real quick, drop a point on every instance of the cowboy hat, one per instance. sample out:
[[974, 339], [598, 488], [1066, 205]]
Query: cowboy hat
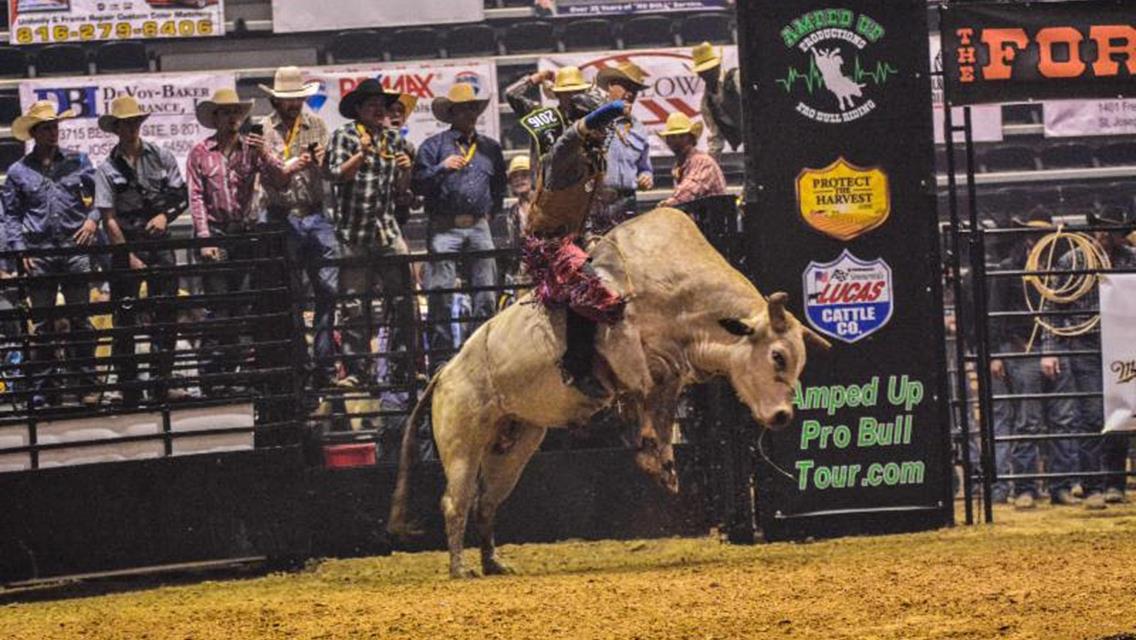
[[1111, 215], [207, 110], [121, 108], [568, 80], [704, 57], [1038, 218], [408, 102], [460, 93], [519, 163], [628, 72], [289, 83], [40, 112], [369, 88], [678, 124]]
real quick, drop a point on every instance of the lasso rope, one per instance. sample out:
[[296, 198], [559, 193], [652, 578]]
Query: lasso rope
[[1087, 254]]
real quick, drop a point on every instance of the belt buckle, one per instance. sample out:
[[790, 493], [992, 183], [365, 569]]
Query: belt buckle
[[464, 220]]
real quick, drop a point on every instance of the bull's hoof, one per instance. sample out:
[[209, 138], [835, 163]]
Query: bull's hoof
[[497, 568], [462, 573]]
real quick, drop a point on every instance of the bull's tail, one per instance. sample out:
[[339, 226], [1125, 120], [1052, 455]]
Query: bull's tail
[[397, 524]]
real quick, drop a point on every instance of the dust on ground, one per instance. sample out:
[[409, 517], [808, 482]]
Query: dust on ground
[[1049, 574]]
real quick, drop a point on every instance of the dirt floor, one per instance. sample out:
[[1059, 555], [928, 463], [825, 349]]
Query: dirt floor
[[1048, 574]]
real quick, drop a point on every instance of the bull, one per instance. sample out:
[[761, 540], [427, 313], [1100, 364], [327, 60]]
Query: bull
[[689, 317]]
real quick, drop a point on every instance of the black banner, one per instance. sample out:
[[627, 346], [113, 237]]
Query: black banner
[[842, 217], [999, 52]]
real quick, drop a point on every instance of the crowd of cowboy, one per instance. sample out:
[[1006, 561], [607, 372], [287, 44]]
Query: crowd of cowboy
[[275, 174]]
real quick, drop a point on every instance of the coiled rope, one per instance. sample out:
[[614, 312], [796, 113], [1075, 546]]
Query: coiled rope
[[1087, 254]]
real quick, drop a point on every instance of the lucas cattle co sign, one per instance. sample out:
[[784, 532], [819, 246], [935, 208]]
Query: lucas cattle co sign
[[1017, 52]]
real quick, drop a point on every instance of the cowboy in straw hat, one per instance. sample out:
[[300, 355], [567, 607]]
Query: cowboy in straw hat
[[696, 174], [48, 196], [628, 150], [566, 82], [721, 99]]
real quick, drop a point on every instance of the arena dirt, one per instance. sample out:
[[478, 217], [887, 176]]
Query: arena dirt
[[1048, 574]]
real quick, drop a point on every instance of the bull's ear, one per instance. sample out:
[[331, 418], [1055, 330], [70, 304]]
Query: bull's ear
[[736, 327], [777, 319], [814, 340]]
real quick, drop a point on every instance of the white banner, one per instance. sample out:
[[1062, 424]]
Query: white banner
[[424, 80], [671, 85], [312, 15], [1118, 350], [985, 119], [169, 98], [54, 21], [1089, 118]]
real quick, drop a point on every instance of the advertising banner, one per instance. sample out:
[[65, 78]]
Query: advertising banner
[[672, 86], [1018, 52], [985, 120], [1118, 350], [77, 21], [841, 216], [578, 8], [422, 80], [171, 100], [306, 15], [1089, 118]]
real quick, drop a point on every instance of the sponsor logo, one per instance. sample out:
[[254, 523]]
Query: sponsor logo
[[1051, 52], [842, 200], [835, 79], [471, 78], [1125, 371], [83, 100], [848, 299]]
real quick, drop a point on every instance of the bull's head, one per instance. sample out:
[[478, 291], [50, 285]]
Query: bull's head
[[763, 355]]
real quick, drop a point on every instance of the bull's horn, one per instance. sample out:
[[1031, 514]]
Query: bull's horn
[[777, 320], [814, 339]]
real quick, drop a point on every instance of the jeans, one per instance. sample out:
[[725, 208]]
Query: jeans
[[311, 240], [220, 346], [125, 288], [1004, 413], [1036, 417], [1079, 415], [42, 294], [443, 275]]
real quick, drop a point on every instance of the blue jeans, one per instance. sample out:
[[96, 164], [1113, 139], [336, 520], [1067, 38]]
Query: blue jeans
[[1082, 415], [1036, 417], [1004, 413], [42, 294], [311, 241], [443, 275]]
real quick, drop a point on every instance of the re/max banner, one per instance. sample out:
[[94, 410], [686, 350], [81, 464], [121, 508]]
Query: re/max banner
[[1018, 52]]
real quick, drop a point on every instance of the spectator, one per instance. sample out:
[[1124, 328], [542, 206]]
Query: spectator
[[221, 172], [696, 174], [139, 191], [721, 100], [397, 116], [628, 150], [520, 184], [461, 176], [370, 166], [48, 198], [290, 133]]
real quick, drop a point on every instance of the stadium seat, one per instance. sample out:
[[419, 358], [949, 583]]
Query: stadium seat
[[1117, 154], [62, 60], [13, 63], [355, 46], [648, 31], [1078, 198], [1119, 194], [529, 37], [1067, 156], [586, 35], [1009, 158], [515, 137], [413, 44], [10, 152], [707, 27], [9, 108], [471, 40], [1021, 113], [122, 57]]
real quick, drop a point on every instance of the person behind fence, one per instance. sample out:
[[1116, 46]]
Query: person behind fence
[[628, 163], [519, 175], [221, 172], [298, 206], [398, 120], [1084, 371], [48, 200], [721, 100], [139, 191], [696, 174], [460, 174], [370, 167]]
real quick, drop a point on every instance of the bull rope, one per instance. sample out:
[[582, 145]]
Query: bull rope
[[765, 456]]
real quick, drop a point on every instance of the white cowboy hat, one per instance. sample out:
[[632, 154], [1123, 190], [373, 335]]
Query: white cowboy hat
[[289, 83], [40, 112], [121, 108], [460, 93], [207, 110]]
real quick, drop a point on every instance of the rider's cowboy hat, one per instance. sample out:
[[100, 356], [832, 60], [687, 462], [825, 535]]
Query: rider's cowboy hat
[[1111, 215], [289, 83], [704, 57], [678, 124], [369, 88], [628, 72], [40, 112], [460, 93], [207, 110], [121, 108]]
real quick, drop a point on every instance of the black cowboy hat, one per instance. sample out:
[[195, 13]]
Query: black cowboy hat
[[1037, 218], [349, 105], [1112, 216]]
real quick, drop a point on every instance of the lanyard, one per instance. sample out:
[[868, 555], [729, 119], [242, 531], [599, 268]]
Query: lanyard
[[291, 138], [383, 149], [467, 153]]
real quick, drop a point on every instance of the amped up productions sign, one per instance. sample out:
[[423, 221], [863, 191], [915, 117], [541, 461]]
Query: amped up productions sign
[[1017, 52], [842, 217]]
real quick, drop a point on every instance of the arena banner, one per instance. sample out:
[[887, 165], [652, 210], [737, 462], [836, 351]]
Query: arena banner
[[985, 120], [580, 8], [1066, 118], [308, 15], [672, 84], [1118, 350], [170, 99], [1017, 52], [422, 80], [77, 21], [841, 216]]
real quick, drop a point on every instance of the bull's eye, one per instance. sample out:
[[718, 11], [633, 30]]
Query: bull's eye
[[779, 361]]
